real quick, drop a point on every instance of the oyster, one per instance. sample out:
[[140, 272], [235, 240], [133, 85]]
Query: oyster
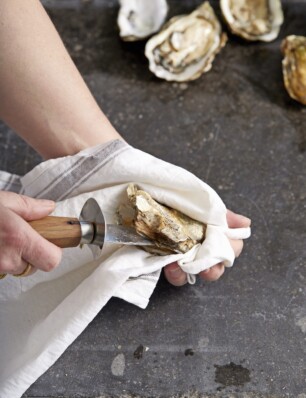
[[294, 66], [253, 19], [186, 46], [171, 230], [138, 19]]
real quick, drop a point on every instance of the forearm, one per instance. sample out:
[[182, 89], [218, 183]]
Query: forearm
[[43, 96]]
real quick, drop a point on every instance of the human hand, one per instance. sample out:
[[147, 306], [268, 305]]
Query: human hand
[[20, 245], [177, 277]]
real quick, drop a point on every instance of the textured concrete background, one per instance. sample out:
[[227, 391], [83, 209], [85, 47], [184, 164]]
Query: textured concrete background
[[237, 129]]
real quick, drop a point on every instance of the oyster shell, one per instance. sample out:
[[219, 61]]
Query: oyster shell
[[294, 66], [138, 19], [171, 230], [186, 46], [253, 19]]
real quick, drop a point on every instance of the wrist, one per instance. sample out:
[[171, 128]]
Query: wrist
[[71, 141], [79, 142]]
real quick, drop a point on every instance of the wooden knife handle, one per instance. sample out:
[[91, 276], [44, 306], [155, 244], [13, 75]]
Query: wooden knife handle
[[62, 231]]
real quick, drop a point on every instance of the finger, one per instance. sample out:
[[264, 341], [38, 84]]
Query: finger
[[235, 220], [39, 252], [32, 271], [28, 270], [21, 241], [213, 273], [15, 265], [12, 263], [175, 275], [237, 246], [26, 207]]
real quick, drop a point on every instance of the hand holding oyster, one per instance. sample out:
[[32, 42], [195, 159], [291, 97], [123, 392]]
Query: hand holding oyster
[[171, 230]]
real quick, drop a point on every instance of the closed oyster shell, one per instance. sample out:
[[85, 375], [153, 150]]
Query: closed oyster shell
[[171, 230], [253, 19], [138, 19], [186, 46], [294, 66]]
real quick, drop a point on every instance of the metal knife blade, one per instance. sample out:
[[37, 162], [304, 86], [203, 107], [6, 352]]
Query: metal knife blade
[[125, 235], [107, 233]]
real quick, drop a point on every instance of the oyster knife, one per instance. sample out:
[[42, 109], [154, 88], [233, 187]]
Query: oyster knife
[[90, 228]]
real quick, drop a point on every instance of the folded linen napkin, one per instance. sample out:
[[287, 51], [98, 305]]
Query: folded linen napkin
[[42, 315]]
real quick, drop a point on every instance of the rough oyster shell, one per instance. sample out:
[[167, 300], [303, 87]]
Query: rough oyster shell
[[253, 19], [171, 230], [138, 19], [186, 46], [294, 66]]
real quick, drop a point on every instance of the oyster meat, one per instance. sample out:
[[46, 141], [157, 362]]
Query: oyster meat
[[253, 19], [294, 66], [171, 230], [138, 19], [186, 46]]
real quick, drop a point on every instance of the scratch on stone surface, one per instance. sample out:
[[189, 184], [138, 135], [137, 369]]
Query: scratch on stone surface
[[261, 213], [259, 315], [195, 394], [203, 342], [118, 365], [263, 217], [6, 152], [202, 347], [210, 160], [288, 305]]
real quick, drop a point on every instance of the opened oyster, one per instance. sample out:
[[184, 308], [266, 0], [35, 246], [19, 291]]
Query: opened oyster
[[253, 19], [171, 230], [138, 19], [294, 67], [186, 46]]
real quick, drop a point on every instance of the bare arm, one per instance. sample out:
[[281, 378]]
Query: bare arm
[[43, 96]]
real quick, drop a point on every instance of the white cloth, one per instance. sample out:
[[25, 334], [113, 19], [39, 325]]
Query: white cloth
[[42, 315]]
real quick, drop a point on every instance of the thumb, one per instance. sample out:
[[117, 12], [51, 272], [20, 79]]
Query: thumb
[[27, 208]]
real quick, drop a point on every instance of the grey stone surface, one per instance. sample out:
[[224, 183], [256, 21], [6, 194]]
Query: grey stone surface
[[237, 129]]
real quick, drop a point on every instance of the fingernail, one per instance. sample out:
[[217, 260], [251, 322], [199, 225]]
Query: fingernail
[[47, 203], [205, 271], [245, 218], [176, 271]]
